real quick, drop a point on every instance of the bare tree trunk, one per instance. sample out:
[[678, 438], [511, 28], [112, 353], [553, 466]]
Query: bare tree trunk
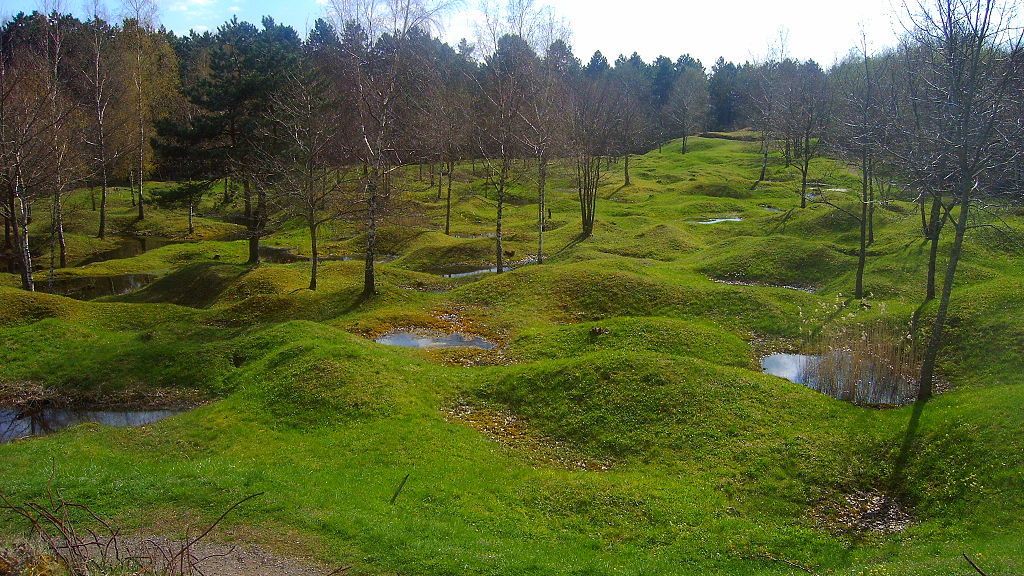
[[871, 216], [542, 175], [142, 129], [103, 201], [764, 161], [862, 254], [22, 218], [250, 224], [924, 219], [369, 278], [448, 201], [440, 180], [627, 183], [803, 189], [926, 382], [502, 181], [805, 167], [58, 228], [191, 213], [934, 234], [314, 253], [142, 164], [588, 176]]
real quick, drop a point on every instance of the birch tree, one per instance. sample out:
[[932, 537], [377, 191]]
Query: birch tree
[[374, 34]]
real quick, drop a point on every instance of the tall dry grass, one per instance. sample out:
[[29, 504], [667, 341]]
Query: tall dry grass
[[875, 364]]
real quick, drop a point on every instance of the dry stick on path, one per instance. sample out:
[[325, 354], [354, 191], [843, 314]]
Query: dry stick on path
[[973, 565], [790, 563], [399, 490]]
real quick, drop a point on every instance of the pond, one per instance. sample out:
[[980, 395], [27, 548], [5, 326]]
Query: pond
[[432, 339], [275, 255], [762, 285], [15, 425], [792, 367], [132, 246], [474, 272], [719, 220], [478, 271], [91, 287], [471, 236], [845, 376]]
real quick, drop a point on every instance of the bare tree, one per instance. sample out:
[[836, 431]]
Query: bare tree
[[143, 14], [504, 89], [64, 132], [447, 112], [595, 106], [375, 75], [805, 108], [543, 114], [961, 144], [762, 101], [27, 124], [301, 155], [856, 134], [688, 103], [101, 88]]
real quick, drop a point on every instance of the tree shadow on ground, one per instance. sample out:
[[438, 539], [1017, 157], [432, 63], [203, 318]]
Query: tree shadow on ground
[[898, 477]]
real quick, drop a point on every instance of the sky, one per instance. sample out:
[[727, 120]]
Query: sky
[[739, 30]]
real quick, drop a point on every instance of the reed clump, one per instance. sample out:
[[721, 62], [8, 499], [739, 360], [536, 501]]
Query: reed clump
[[874, 364]]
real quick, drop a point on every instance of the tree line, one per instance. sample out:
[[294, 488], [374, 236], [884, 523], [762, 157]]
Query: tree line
[[320, 128]]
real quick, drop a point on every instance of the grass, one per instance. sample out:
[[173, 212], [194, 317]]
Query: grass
[[621, 348]]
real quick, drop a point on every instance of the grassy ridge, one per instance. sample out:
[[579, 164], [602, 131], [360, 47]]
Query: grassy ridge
[[622, 348]]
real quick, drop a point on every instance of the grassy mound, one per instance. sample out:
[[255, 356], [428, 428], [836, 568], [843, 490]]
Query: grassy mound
[[786, 261], [635, 404], [196, 285], [658, 335]]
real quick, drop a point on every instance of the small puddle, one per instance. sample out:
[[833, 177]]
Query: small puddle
[[91, 287], [15, 425], [719, 220], [428, 339]]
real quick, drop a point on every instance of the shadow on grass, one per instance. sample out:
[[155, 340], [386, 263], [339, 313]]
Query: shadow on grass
[[572, 243], [897, 479]]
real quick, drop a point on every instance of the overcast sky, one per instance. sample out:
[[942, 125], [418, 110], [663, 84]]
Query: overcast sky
[[736, 29]]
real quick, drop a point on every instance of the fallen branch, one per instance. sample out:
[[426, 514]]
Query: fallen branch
[[973, 565]]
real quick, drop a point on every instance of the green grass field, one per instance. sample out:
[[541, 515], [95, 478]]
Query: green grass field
[[648, 441]]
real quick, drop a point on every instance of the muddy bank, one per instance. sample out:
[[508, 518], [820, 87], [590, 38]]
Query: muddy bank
[[29, 395]]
